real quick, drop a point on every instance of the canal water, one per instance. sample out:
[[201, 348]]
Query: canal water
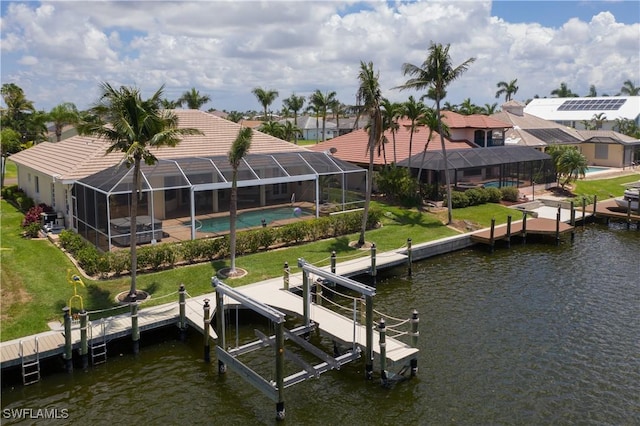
[[534, 334]]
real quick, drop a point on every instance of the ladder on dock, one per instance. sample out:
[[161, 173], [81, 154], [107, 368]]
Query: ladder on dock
[[98, 344], [30, 363]]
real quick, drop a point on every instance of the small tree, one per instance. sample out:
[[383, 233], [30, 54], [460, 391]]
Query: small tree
[[239, 149]]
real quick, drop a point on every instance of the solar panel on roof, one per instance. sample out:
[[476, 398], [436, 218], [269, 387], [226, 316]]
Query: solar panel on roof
[[552, 135], [591, 104]]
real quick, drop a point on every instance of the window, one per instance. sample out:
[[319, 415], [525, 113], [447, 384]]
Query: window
[[602, 152], [53, 195]]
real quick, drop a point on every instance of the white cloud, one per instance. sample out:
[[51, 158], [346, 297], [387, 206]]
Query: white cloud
[[60, 51]]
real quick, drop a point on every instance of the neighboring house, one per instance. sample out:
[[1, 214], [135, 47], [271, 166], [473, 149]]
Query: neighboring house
[[600, 147], [575, 112], [476, 153], [311, 127], [92, 190]]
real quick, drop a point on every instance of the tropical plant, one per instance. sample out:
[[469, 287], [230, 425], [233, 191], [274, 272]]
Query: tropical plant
[[133, 126], [295, 104], [572, 164], [430, 120], [592, 92], [434, 75], [391, 111], [21, 116], [266, 98], [193, 99], [413, 110], [62, 115], [507, 89], [598, 120], [629, 89], [290, 131], [468, 108], [489, 109], [238, 151], [321, 103], [369, 97], [168, 104], [10, 141], [235, 116], [563, 91], [337, 109], [272, 128]]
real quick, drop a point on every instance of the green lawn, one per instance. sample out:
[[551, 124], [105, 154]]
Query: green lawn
[[605, 188], [11, 172]]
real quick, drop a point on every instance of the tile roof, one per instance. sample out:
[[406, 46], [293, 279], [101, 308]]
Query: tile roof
[[352, 147], [81, 156], [475, 121]]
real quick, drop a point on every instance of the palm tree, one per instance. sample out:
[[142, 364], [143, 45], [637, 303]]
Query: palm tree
[[338, 109], [507, 89], [369, 97], [10, 141], [468, 108], [134, 126], [391, 111], [266, 98], [563, 91], [430, 120], [290, 131], [598, 120], [239, 150], [272, 128], [592, 92], [193, 99], [434, 75], [61, 115], [412, 110], [489, 109], [322, 102], [629, 89], [295, 104], [572, 163], [167, 104]]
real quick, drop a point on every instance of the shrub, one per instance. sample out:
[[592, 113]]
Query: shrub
[[494, 195], [32, 216], [459, 199], [32, 230], [510, 193], [88, 258], [119, 261], [476, 196]]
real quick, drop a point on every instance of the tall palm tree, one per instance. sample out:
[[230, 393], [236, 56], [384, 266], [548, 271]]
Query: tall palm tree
[[434, 75], [563, 91], [430, 120], [322, 103], [629, 89], [62, 115], [193, 99], [295, 104], [338, 109], [391, 111], [507, 89], [369, 97], [266, 98], [238, 151], [134, 126], [412, 109]]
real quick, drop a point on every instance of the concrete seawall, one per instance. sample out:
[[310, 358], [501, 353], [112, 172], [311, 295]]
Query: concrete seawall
[[438, 247]]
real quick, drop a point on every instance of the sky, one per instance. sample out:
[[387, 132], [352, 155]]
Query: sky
[[61, 51]]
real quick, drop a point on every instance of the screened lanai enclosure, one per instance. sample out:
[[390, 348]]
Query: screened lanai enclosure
[[498, 166], [189, 198]]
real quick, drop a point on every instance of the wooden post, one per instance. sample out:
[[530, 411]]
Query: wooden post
[[524, 227], [280, 412], [558, 226], [509, 231], [333, 262], [595, 202], [319, 282], [492, 240], [414, 340], [84, 347], [409, 256], [135, 331], [373, 263], [68, 349], [369, 338], [573, 222], [207, 323], [306, 299], [584, 210], [629, 214], [382, 329], [287, 274], [182, 325]]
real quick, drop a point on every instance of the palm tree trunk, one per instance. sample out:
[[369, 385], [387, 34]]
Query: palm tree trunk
[[133, 220], [367, 195], [447, 179], [233, 213]]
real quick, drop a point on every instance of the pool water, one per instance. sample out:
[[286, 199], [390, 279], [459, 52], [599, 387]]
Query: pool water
[[249, 219], [496, 183], [594, 169]]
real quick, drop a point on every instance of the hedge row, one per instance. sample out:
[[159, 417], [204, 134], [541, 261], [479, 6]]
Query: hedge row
[[167, 255], [17, 196], [477, 196]]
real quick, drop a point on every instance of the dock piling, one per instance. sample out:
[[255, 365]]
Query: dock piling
[[135, 331], [84, 347], [584, 211], [373, 263], [279, 348], [207, 324], [573, 222], [492, 240], [415, 321], [524, 227], [182, 325], [382, 330], [286, 275], [369, 337], [558, 225], [509, 231], [68, 354], [409, 257], [333, 261]]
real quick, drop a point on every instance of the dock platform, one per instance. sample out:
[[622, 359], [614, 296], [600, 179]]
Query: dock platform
[[535, 226]]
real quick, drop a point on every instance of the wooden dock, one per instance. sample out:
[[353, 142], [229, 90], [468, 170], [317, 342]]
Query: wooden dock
[[609, 209], [534, 226]]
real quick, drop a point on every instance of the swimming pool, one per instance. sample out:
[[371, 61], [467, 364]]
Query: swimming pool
[[248, 219], [594, 169], [496, 183]]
